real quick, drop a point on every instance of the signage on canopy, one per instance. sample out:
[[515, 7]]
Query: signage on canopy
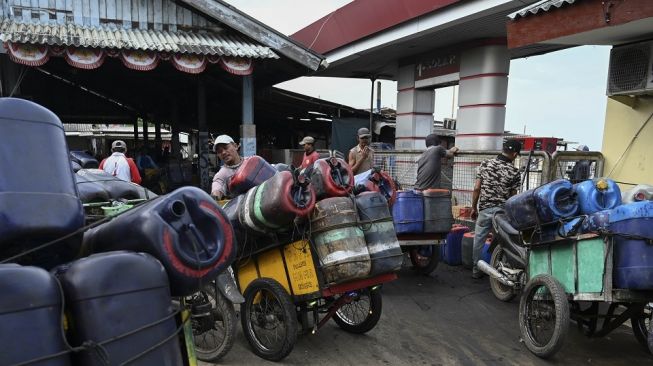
[[92, 58], [443, 62]]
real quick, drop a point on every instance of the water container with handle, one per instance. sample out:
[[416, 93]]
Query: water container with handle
[[38, 195], [331, 177], [186, 230], [597, 195], [376, 180], [252, 172]]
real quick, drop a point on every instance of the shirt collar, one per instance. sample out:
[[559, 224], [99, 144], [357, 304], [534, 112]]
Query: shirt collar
[[503, 158]]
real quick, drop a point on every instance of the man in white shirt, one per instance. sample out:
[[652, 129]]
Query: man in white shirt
[[227, 151], [119, 165]]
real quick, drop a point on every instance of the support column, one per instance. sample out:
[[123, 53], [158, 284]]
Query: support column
[[175, 148], [248, 129], [482, 97], [414, 111], [203, 139]]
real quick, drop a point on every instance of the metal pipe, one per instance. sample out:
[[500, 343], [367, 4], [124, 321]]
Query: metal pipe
[[490, 271], [372, 108]]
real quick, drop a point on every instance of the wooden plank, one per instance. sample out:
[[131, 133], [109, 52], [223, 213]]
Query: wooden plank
[[126, 14], [563, 266], [188, 18], [180, 15], [172, 15], [43, 14], [77, 12], [159, 10], [112, 9], [194, 19], [86, 11], [103, 9], [52, 6], [591, 265], [150, 12], [142, 14], [94, 12], [134, 13]]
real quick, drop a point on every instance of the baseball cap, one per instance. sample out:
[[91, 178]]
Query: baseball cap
[[307, 140], [118, 144], [364, 132], [582, 148], [222, 139], [512, 146]]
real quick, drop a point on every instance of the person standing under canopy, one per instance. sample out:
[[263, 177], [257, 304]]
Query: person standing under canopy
[[361, 156]]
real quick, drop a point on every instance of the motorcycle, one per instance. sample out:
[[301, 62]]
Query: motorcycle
[[213, 317]]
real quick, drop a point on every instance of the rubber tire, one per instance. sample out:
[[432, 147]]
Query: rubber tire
[[561, 327], [376, 306], [431, 265], [226, 308], [641, 333], [500, 291], [289, 313]]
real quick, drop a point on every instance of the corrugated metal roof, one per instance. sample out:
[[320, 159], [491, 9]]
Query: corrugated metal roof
[[540, 6], [110, 36]]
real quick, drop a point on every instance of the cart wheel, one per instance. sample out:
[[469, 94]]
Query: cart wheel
[[214, 327], [543, 315], [362, 314], [269, 319], [642, 325], [425, 258], [500, 291]]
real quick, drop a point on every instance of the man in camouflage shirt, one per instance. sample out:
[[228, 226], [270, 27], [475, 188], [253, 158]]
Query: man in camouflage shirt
[[496, 180]]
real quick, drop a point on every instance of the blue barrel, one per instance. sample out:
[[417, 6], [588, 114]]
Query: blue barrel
[[117, 293], [632, 224], [451, 251], [380, 236], [30, 314], [408, 212], [38, 196], [597, 195], [542, 205], [186, 230], [486, 255]]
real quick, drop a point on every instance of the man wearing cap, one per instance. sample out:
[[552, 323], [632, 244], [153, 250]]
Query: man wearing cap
[[227, 151], [361, 156], [310, 155], [429, 164], [119, 165], [497, 180], [581, 170]]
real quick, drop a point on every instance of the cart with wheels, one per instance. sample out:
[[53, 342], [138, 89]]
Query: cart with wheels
[[286, 293], [571, 279], [423, 249]]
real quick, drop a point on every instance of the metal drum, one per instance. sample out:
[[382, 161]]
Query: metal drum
[[382, 243], [438, 217], [339, 241]]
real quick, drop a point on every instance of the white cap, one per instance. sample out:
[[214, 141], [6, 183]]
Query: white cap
[[582, 148], [118, 144], [307, 140], [222, 139]]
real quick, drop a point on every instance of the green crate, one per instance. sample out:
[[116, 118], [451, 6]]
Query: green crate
[[578, 265]]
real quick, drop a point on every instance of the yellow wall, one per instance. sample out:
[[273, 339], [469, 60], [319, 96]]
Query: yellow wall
[[621, 124]]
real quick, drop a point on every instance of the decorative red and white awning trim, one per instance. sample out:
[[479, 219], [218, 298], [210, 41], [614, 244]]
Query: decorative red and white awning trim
[[92, 58]]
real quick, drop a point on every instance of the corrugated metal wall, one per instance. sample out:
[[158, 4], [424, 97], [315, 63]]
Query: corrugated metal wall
[[142, 14]]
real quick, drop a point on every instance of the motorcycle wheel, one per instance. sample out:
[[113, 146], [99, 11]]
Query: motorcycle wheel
[[213, 333], [361, 315], [500, 291], [425, 258], [642, 325], [543, 316]]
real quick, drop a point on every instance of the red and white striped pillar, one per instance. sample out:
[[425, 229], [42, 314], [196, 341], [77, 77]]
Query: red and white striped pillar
[[482, 93], [414, 111]]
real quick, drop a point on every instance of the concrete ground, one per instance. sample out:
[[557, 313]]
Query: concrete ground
[[446, 318]]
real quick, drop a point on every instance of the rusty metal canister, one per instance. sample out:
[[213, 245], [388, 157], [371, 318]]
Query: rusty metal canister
[[339, 241]]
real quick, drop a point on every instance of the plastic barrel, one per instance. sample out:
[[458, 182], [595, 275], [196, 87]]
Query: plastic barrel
[[467, 250], [451, 252], [339, 241], [438, 217], [631, 225], [112, 294], [331, 177], [186, 230], [542, 205], [115, 188], [373, 180], [408, 212], [382, 244], [30, 314], [38, 196], [597, 195], [252, 172]]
